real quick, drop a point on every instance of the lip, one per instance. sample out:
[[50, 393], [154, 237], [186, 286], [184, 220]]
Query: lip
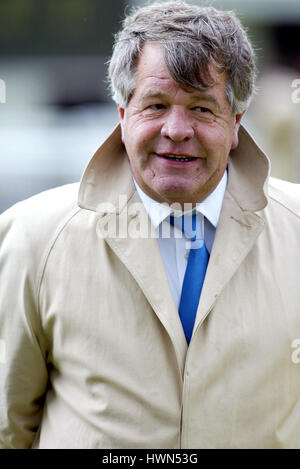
[[173, 163], [178, 155]]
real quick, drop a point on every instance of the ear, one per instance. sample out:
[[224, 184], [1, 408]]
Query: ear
[[122, 117], [237, 123]]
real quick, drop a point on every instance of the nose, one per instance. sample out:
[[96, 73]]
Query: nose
[[177, 125]]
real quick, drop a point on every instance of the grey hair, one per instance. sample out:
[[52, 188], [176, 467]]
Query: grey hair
[[192, 37]]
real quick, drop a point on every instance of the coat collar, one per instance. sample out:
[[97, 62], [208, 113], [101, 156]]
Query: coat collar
[[249, 170], [108, 175]]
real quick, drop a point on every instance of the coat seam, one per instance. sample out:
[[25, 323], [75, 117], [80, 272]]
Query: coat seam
[[284, 206], [47, 255]]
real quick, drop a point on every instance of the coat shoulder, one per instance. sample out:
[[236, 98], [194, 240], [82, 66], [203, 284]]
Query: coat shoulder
[[29, 228], [43, 210], [286, 194]]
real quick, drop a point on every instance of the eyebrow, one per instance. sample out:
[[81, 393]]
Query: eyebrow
[[153, 94]]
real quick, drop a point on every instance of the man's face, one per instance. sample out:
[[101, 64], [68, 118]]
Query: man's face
[[177, 141]]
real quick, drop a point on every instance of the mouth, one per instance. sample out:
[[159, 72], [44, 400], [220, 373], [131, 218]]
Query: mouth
[[178, 158]]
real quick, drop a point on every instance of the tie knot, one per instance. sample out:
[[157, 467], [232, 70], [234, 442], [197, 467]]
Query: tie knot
[[191, 227]]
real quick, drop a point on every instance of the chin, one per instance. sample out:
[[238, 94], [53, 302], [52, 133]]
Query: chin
[[177, 195]]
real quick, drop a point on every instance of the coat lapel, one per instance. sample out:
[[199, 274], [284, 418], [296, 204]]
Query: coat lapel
[[240, 223], [235, 237], [138, 250]]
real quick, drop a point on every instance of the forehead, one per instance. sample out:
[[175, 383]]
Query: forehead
[[152, 73], [151, 62]]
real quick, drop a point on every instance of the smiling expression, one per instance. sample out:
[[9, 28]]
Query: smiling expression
[[177, 140]]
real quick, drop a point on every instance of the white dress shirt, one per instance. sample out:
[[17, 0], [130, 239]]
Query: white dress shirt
[[175, 248]]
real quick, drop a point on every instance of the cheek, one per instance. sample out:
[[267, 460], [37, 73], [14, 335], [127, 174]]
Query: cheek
[[141, 136], [218, 143]]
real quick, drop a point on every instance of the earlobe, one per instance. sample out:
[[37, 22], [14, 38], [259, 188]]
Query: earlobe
[[121, 114], [235, 138]]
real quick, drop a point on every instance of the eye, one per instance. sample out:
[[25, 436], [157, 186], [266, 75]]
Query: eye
[[201, 109], [157, 107]]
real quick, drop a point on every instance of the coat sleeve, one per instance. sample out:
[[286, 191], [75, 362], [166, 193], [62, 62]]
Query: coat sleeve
[[23, 369]]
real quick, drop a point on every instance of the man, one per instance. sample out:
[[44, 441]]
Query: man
[[98, 353]]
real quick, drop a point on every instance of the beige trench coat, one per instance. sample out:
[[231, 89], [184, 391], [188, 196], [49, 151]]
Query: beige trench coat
[[94, 313]]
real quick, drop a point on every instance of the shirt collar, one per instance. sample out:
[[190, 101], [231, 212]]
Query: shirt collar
[[209, 207]]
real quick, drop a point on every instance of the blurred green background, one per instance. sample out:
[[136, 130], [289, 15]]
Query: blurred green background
[[58, 27], [55, 109]]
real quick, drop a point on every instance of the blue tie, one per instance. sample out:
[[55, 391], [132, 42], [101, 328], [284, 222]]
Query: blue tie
[[194, 274]]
